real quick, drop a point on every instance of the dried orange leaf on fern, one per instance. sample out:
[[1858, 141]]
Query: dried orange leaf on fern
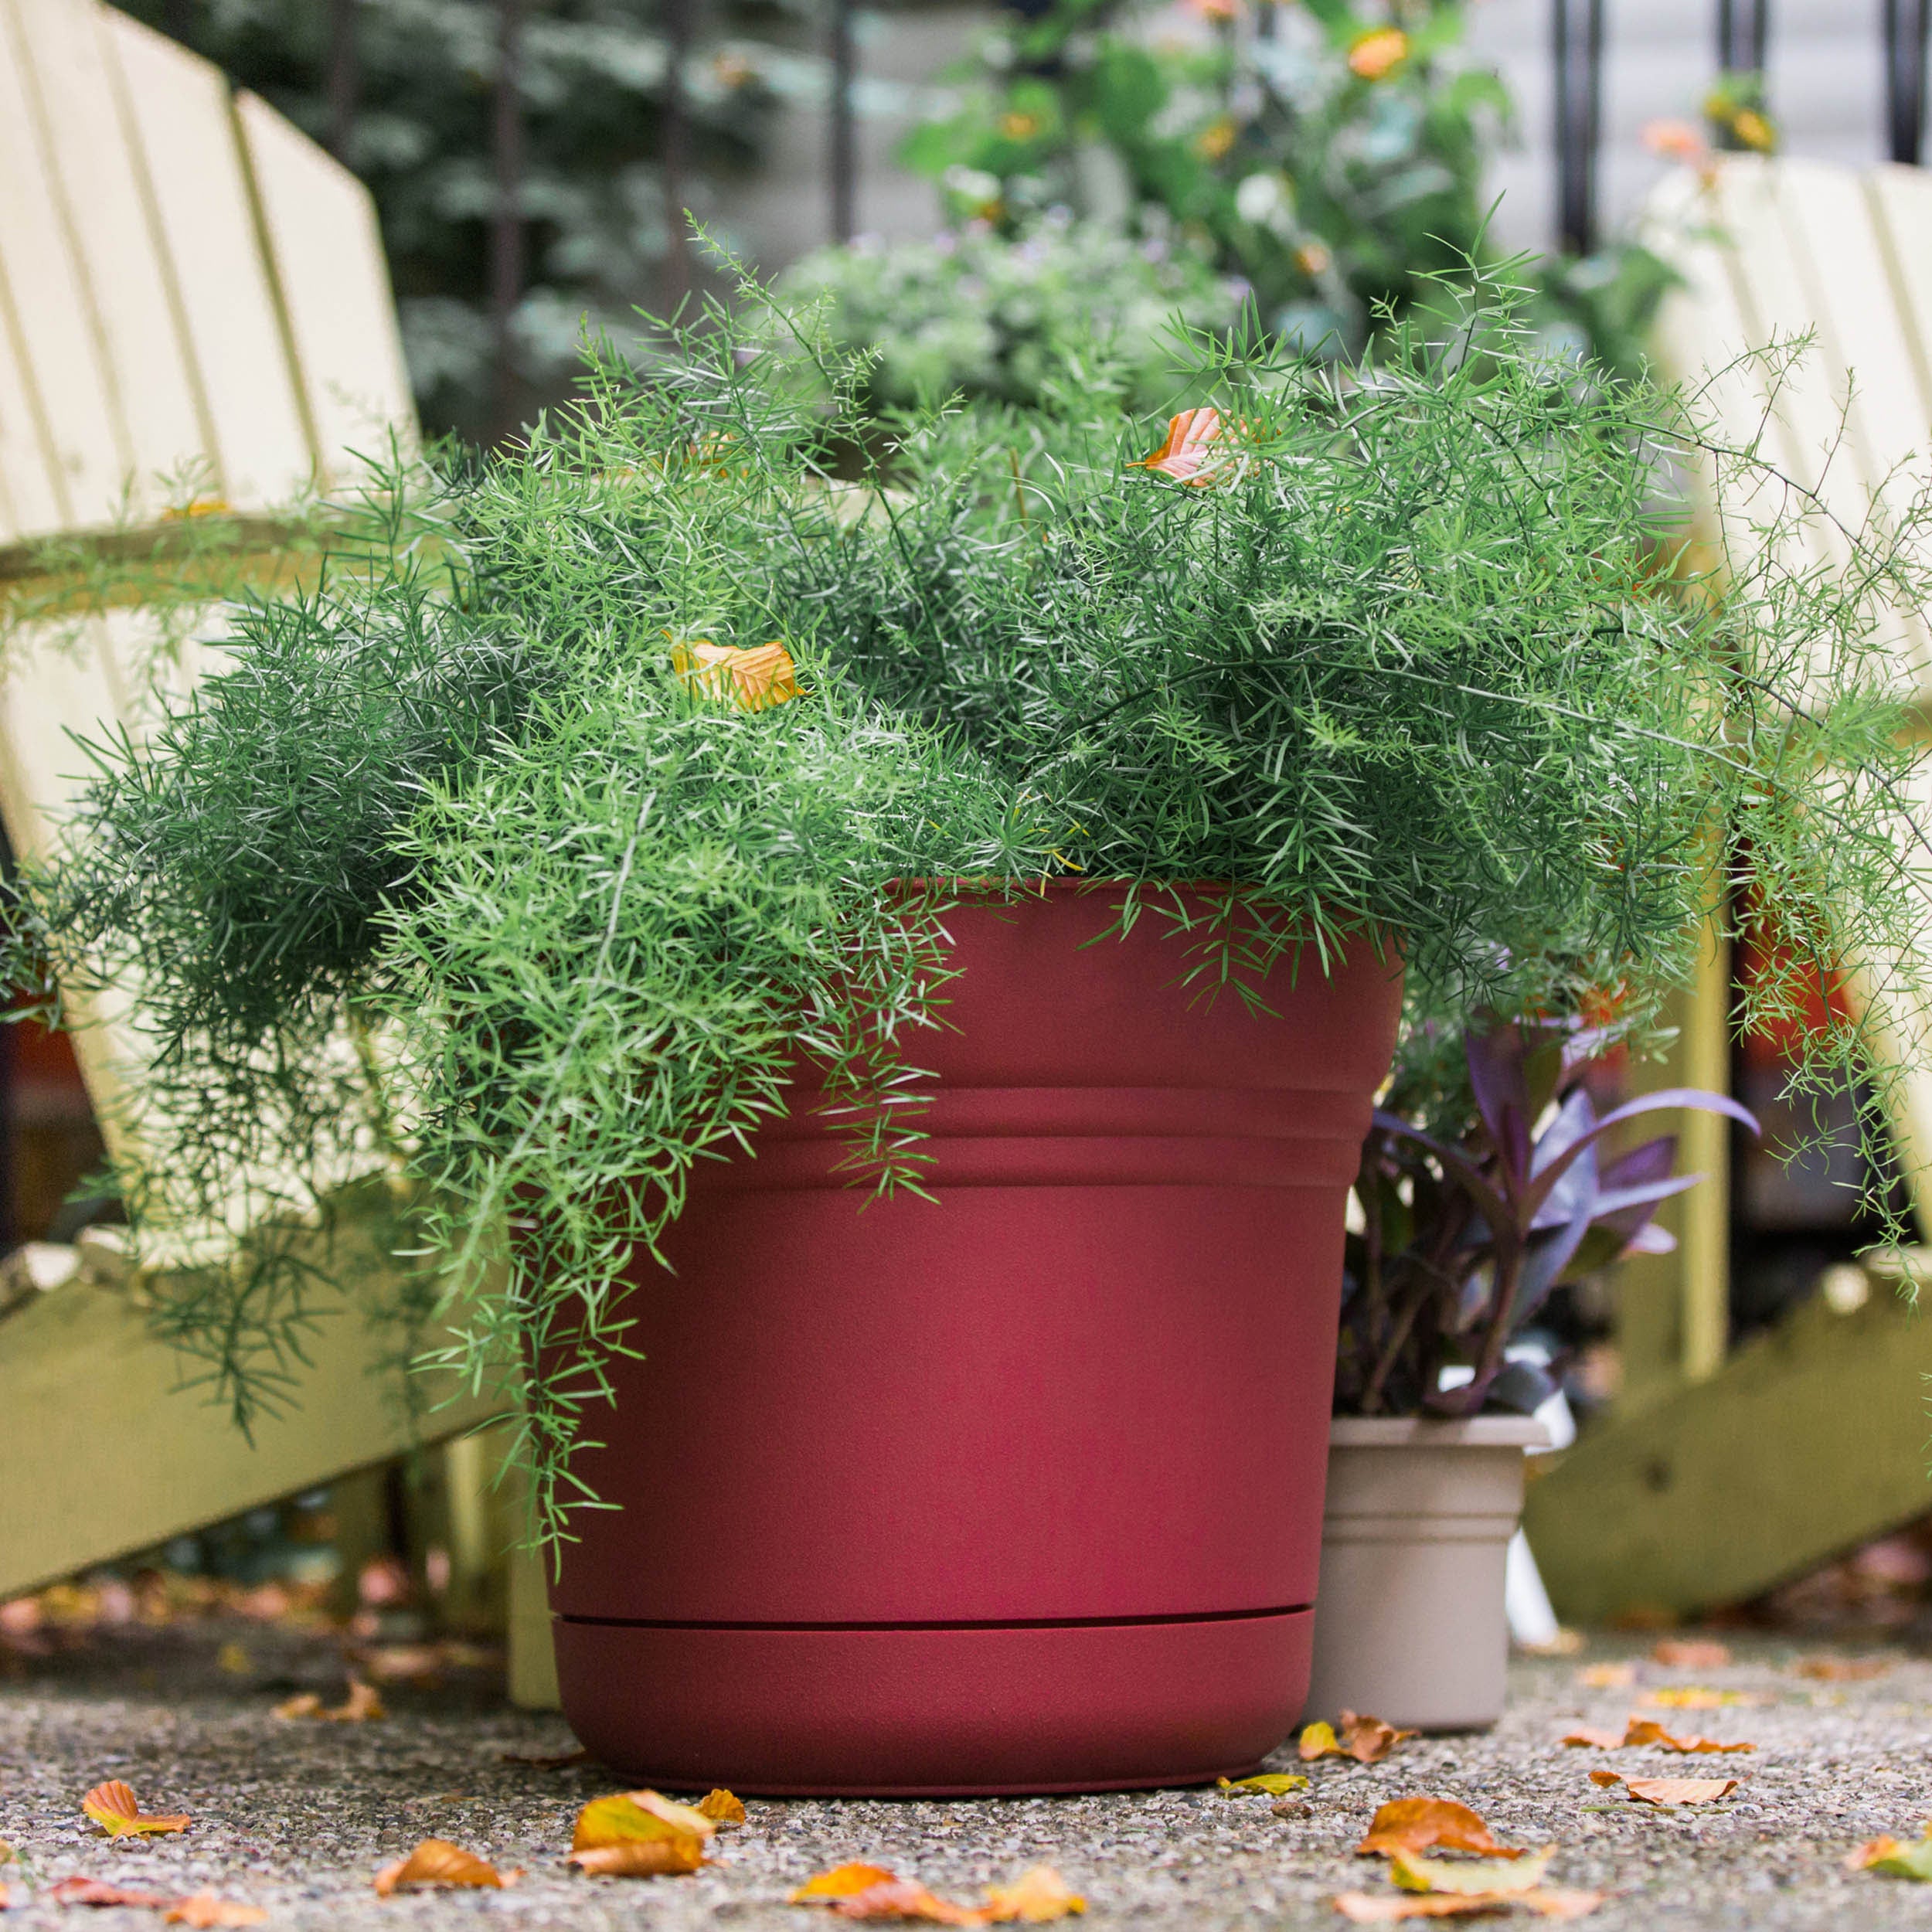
[[1414, 1824], [205, 1909], [904, 1899], [436, 1862], [642, 1858], [843, 1882], [1038, 1895], [1274, 1784], [113, 1807], [754, 680], [723, 1808], [1468, 1878], [1187, 453]]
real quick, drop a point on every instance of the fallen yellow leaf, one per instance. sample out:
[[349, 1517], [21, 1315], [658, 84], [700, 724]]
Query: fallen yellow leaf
[[1274, 1784], [723, 1808], [634, 1815], [1413, 1824], [305, 1704], [436, 1862], [1488, 1878], [1697, 1697], [843, 1882], [642, 1858], [113, 1807], [1037, 1896], [205, 1909], [1691, 1653]]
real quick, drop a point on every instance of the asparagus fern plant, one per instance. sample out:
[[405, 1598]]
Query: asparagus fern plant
[[486, 862]]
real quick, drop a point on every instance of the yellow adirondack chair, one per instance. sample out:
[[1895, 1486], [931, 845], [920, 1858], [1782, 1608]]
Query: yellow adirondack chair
[[193, 297], [1744, 1469]]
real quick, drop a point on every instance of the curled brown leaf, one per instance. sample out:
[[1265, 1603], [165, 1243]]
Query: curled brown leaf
[[436, 1862], [1367, 1740], [1413, 1824], [903, 1898], [1669, 1790]]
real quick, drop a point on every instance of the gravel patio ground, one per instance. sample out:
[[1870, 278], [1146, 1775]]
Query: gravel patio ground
[[295, 1816]]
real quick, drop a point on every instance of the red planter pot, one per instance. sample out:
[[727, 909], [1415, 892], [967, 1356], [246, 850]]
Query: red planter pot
[[1019, 1489]]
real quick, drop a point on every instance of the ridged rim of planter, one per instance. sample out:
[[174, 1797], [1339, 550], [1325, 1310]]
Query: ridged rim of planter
[[1442, 1432]]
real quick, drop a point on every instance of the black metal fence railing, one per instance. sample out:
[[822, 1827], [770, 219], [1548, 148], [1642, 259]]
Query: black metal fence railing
[[1743, 43]]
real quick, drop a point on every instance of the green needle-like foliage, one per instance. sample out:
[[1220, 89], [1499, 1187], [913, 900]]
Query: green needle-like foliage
[[452, 871]]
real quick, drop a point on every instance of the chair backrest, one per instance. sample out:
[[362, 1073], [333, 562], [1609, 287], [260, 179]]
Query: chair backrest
[[194, 307], [1771, 251]]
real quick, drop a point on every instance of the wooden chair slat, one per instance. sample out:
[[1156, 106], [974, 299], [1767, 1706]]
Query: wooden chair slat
[[56, 344], [193, 161], [110, 233], [320, 229]]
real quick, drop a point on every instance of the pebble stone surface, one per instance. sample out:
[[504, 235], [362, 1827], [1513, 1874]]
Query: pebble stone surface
[[296, 1817]]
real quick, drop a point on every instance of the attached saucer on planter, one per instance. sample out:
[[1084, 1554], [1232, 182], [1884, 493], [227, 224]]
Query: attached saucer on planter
[[1016, 1489], [1410, 1625]]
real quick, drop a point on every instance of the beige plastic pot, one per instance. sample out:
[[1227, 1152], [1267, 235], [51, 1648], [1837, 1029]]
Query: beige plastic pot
[[1409, 1623]]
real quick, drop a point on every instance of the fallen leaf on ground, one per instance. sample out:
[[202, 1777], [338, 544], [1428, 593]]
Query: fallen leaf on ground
[[843, 1882], [1274, 1784], [723, 1808], [113, 1807], [1367, 1740], [363, 1703], [204, 1909], [1691, 1653], [305, 1704], [1606, 1676], [1697, 1697], [1640, 1731], [642, 1818], [1841, 1670], [1669, 1790], [80, 1891], [1895, 1858], [557, 1764], [1412, 1825], [1470, 1877], [436, 1862], [1362, 1908], [642, 1858], [903, 1898], [1291, 1807], [1038, 1895]]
